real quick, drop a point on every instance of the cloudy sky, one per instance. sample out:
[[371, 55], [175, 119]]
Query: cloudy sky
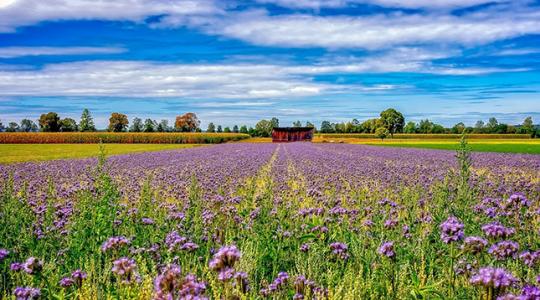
[[237, 61]]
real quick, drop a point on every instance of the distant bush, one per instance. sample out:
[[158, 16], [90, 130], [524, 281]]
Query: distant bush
[[118, 138], [424, 136]]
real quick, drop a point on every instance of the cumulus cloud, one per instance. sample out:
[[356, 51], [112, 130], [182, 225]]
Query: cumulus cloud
[[373, 31], [29, 12], [317, 4], [11, 52]]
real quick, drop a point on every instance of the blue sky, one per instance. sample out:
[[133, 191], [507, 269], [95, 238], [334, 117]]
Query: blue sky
[[237, 61]]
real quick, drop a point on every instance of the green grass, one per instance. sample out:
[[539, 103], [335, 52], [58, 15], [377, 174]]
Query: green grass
[[11, 153], [510, 146]]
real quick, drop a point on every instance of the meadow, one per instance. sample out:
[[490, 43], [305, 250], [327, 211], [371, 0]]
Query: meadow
[[272, 221], [11, 153]]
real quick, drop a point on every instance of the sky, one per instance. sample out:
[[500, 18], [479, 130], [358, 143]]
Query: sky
[[239, 61]]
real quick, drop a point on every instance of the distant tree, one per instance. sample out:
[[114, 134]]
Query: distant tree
[[264, 128], [118, 122], [187, 123], [410, 127], [68, 125], [136, 126], [437, 128], [326, 127], [382, 133], [274, 122], [491, 125], [393, 120], [149, 125], [527, 125], [235, 129], [458, 128], [479, 127], [252, 131], [219, 129], [297, 124], [87, 122], [425, 126], [13, 127], [243, 129], [28, 126], [501, 128], [371, 125], [163, 126], [227, 129], [310, 125], [49, 122], [1, 126], [211, 127]]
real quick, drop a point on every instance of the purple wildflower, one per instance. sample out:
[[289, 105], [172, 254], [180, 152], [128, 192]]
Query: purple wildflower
[[26, 293], [147, 221], [451, 230], [16, 267], [387, 249], [304, 247], [66, 282], [530, 258], [114, 243], [340, 250], [474, 244], [32, 265], [224, 260], [530, 292], [504, 249], [3, 254], [78, 276], [126, 269], [497, 230], [493, 277]]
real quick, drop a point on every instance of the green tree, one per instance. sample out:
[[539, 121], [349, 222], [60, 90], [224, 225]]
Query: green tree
[[252, 131], [274, 122], [87, 122], [13, 127], [163, 126], [310, 125], [264, 128], [235, 129], [326, 127], [136, 125], [382, 133], [297, 124], [28, 126], [410, 127], [458, 128], [491, 125], [118, 122], [437, 128], [244, 129], [149, 125], [479, 127], [68, 125], [393, 120], [49, 122], [227, 129], [211, 127], [219, 129], [425, 126], [527, 125], [1, 126]]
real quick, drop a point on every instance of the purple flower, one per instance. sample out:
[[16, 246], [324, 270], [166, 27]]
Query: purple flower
[[451, 230], [304, 247], [189, 246], [32, 265], [126, 269], [170, 285], [66, 282], [26, 293], [504, 249], [340, 250], [114, 243], [16, 267], [493, 277], [78, 276], [3, 254], [241, 280], [174, 240], [387, 249], [147, 221], [530, 258], [530, 292], [497, 230], [224, 260], [278, 283], [474, 244]]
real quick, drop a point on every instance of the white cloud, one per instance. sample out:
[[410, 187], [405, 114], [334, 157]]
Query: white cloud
[[372, 31], [29, 12], [11, 52], [317, 4]]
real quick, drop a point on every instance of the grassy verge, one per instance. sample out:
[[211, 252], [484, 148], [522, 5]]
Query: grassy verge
[[11, 153]]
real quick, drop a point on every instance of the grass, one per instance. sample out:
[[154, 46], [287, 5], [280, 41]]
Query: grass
[[487, 145], [11, 153]]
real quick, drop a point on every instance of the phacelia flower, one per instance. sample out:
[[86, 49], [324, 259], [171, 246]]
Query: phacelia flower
[[66, 282], [3, 254], [115, 243], [224, 260], [493, 277], [530, 258], [340, 250], [26, 293], [78, 276], [504, 249], [32, 265], [387, 249], [451, 230], [497, 230], [126, 269], [474, 244]]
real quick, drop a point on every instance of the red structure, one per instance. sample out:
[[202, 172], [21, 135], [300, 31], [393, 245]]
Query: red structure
[[292, 134]]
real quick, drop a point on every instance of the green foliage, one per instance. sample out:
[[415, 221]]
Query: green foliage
[[382, 133], [118, 122], [393, 120], [68, 125], [211, 127], [28, 126], [49, 122], [87, 122], [136, 125]]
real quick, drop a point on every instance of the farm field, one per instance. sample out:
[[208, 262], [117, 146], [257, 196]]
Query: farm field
[[11, 153], [272, 221]]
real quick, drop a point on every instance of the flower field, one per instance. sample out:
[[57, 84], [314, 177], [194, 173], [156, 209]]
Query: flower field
[[273, 221]]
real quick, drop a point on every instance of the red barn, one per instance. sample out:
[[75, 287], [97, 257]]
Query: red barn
[[292, 134]]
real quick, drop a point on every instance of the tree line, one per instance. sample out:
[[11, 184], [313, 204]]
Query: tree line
[[389, 122]]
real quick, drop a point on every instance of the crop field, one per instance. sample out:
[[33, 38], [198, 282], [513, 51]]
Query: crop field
[[273, 221], [11, 153]]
